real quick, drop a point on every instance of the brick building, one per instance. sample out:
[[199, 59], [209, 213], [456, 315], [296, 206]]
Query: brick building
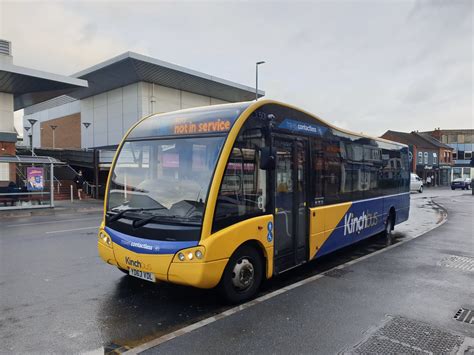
[[462, 143], [429, 156]]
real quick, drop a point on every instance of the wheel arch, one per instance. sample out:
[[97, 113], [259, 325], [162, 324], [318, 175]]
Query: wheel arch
[[267, 259]]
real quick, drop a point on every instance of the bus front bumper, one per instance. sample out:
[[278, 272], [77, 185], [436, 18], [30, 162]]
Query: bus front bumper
[[196, 274], [201, 275]]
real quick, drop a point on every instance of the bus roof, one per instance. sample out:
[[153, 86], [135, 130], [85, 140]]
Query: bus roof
[[214, 120]]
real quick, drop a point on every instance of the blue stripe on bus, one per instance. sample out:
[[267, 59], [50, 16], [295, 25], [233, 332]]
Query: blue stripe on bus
[[147, 246], [374, 213]]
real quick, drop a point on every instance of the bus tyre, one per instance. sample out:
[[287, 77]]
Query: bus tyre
[[421, 189], [388, 233], [242, 275]]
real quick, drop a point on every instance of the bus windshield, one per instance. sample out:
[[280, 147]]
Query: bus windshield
[[166, 180]]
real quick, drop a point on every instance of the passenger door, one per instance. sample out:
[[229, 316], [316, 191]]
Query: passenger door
[[291, 205]]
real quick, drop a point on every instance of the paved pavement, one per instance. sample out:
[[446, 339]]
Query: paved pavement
[[56, 295], [61, 207], [401, 300]]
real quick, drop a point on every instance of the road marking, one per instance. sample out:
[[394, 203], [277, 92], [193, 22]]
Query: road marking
[[167, 337], [72, 230], [48, 222]]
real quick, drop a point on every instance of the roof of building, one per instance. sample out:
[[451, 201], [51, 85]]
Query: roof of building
[[433, 140], [30, 86], [28, 159], [45, 105], [409, 138], [131, 67], [453, 130]]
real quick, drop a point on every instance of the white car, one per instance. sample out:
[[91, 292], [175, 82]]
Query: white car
[[416, 184]]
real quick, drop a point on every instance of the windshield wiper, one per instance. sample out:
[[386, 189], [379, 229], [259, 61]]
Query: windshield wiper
[[141, 222], [121, 213]]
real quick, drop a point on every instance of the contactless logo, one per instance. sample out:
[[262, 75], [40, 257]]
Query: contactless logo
[[270, 231]]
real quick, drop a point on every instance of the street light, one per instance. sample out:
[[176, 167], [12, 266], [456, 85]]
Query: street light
[[256, 78], [86, 124], [53, 127], [32, 123], [26, 139]]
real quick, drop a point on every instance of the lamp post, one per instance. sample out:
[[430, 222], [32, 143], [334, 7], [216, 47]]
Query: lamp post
[[256, 78], [32, 123], [53, 127], [26, 137], [26, 130], [86, 125]]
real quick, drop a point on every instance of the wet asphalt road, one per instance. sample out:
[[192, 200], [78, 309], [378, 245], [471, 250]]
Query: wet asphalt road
[[56, 295]]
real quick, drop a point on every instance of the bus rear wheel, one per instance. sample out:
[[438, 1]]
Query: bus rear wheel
[[242, 276], [388, 233]]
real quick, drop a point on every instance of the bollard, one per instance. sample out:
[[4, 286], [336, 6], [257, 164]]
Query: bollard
[[72, 193]]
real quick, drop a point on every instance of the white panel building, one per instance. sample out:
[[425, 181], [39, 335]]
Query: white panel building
[[121, 91]]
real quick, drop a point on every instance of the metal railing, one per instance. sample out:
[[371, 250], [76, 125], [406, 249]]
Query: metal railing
[[90, 189]]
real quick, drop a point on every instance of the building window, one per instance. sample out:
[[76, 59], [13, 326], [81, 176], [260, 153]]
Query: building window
[[435, 158], [4, 172], [444, 138], [426, 157], [466, 173], [455, 155], [467, 155], [420, 157], [460, 138], [457, 173]]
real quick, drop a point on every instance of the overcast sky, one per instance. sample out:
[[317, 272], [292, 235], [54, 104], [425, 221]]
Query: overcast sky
[[367, 66]]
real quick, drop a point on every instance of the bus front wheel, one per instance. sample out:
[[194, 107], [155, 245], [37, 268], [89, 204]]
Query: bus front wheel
[[242, 275]]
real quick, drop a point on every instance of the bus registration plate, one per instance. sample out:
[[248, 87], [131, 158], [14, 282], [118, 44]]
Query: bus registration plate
[[148, 276]]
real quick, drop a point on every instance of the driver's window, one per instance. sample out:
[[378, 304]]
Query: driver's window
[[243, 189]]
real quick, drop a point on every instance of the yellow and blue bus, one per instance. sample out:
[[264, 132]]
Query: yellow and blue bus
[[230, 195]]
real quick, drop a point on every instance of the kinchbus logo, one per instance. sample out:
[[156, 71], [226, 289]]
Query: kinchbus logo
[[354, 224], [132, 262]]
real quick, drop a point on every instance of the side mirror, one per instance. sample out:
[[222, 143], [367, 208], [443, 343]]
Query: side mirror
[[267, 158]]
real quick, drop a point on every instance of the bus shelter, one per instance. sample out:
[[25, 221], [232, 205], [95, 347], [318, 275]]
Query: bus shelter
[[27, 182]]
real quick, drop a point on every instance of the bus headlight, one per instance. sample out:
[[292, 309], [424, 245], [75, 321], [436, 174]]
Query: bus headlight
[[195, 254], [105, 238]]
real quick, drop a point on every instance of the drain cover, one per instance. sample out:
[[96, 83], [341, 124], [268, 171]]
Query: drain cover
[[465, 315], [464, 263], [406, 336]]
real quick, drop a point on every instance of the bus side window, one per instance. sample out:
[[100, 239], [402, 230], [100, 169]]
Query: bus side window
[[243, 189]]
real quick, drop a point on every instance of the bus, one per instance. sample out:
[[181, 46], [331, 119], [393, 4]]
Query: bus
[[229, 195]]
